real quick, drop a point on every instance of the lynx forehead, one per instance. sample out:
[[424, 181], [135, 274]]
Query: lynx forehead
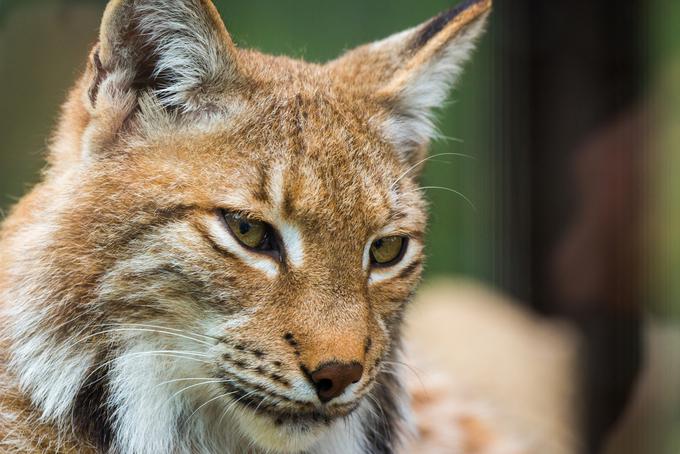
[[224, 243]]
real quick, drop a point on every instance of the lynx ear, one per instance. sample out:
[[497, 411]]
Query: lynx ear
[[178, 50], [411, 72]]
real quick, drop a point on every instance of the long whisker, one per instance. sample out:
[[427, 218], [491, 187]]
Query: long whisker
[[56, 328], [444, 137], [130, 327], [441, 161], [467, 200], [425, 160], [407, 366], [144, 325], [113, 330], [383, 419], [262, 399], [373, 412], [167, 353], [378, 407], [211, 400], [207, 382], [167, 382], [232, 405]]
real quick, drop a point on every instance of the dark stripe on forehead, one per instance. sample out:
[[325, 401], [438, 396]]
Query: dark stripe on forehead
[[288, 196], [288, 206], [300, 118], [261, 192]]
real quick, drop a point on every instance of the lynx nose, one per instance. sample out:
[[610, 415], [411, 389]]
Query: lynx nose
[[332, 379]]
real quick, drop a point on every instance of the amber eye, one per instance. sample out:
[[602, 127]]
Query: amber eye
[[388, 251], [250, 232]]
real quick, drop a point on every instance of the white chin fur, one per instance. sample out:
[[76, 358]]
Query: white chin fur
[[343, 436], [278, 438]]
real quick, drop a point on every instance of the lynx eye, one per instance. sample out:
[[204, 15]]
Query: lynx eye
[[388, 250], [251, 233]]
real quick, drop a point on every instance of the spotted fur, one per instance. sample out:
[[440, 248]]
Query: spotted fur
[[132, 321]]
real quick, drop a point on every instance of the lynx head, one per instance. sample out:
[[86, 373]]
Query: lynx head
[[225, 241]]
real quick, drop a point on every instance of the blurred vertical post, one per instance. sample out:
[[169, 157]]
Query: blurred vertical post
[[570, 143]]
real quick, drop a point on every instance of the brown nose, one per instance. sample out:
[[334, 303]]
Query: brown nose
[[332, 379]]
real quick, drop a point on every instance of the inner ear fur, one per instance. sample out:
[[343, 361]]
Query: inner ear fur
[[179, 50]]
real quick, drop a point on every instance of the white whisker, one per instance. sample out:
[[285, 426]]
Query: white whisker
[[443, 137], [425, 160], [207, 382], [167, 382], [113, 330], [469, 202], [144, 325], [226, 411], [209, 401], [402, 364], [383, 419], [167, 353]]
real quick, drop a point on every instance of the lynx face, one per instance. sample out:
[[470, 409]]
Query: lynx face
[[259, 246], [225, 242]]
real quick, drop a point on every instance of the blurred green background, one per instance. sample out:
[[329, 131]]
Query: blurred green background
[[664, 232], [44, 44]]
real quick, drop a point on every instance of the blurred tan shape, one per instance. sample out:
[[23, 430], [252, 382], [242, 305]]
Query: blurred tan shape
[[508, 381]]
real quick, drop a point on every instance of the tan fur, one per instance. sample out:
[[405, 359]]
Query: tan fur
[[478, 354], [121, 232]]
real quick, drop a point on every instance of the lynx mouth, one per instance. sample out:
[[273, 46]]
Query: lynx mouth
[[286, 426], [284, 411]]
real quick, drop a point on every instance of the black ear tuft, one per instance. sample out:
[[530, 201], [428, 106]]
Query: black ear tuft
[[437, 23]]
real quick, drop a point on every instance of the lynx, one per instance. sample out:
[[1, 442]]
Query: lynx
[[223, 245]]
